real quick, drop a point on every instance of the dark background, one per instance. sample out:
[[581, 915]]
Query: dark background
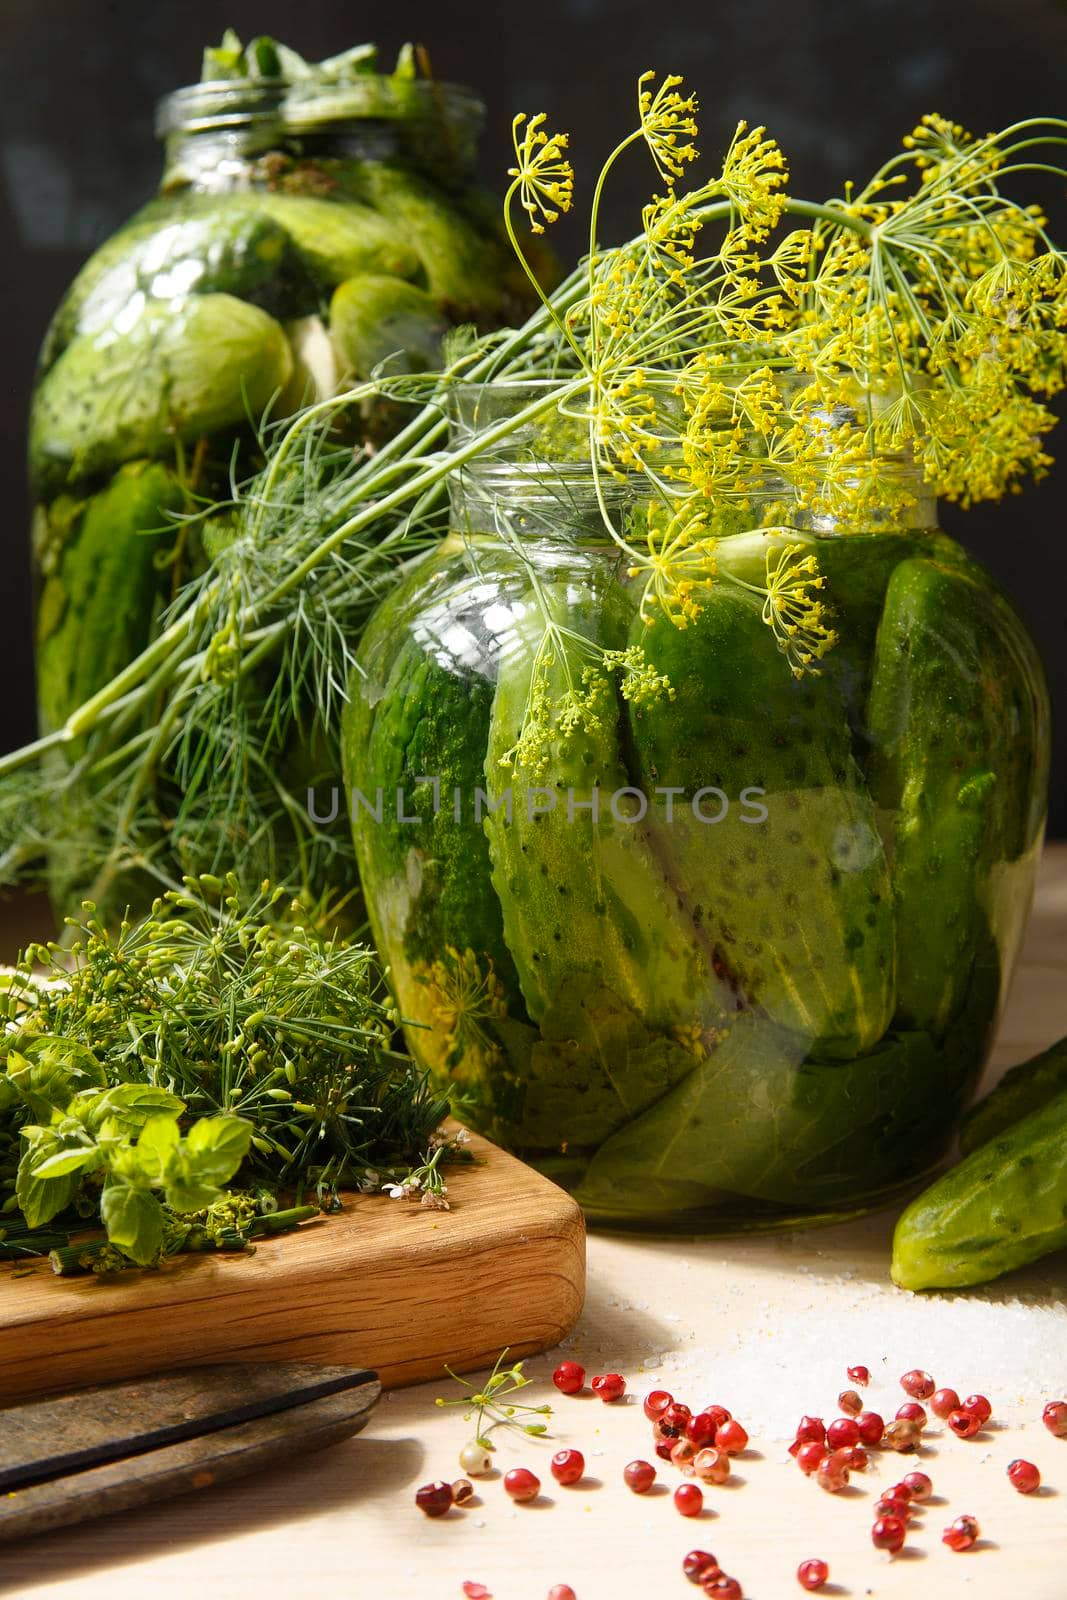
[[836, 83]]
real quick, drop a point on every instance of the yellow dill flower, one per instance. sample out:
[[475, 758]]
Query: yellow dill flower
[[753, 175], [464, 999], [790, 261], [573, 692], [543, 175], [668, 124], [791, 609], [670, 229], [678, 563]]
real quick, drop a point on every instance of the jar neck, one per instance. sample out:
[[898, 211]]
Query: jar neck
[[256, 154], [535, 479], [548, 503], [237, 134], [885, 495]]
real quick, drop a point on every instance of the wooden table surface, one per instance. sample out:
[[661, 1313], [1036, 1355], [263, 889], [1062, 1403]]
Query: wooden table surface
[[764, 1326]]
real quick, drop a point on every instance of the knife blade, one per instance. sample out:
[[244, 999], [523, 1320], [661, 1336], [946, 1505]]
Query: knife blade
[[118, 1445]]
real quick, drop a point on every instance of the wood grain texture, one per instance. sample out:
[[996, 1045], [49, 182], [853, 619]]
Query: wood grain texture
[[385, 1285]]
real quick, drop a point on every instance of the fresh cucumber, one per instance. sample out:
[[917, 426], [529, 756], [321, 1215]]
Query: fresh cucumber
[[1022, 1090], [1003, 1205], [958, 719], [578, 894], [797, 905], [180, 369]]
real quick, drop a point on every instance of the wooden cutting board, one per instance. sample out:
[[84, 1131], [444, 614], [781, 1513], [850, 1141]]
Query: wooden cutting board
[[385, 1284]]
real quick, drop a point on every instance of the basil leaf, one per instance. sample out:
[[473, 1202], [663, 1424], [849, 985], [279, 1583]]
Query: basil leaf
[[42, 1198], [217, 1146], [188, 1194], [134, 1221]]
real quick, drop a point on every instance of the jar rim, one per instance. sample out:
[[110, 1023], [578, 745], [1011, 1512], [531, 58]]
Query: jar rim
[[301, 106]]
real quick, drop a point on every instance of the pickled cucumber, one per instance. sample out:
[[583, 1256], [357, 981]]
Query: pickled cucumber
[[337, 240], [797, 906], [171, 250], [435, 911], [1023, 1089], [174, 371], [375, 319], [757, 1118], [463, 264], [957, 732], [103, 587], [1004, 1205], [581, 895], [594, 1067]]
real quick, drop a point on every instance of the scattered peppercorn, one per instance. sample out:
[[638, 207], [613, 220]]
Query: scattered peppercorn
[[609, 1386], [979, 1406], [961, 1534], [889, 1533], [569, 1377], [656, 1403], [688, 1500], [521, 1484], [903, 1434], [1054, 1417], [698, 1564], [639, 1476], [434, 1498], [871, 1427], [964, 1424], [1024, 1476], [712, 1465], [943, 1402], [814, 1573], [567, 1466]]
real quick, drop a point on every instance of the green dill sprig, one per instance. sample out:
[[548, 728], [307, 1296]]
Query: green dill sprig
[[219, 1043], [490, 1406]]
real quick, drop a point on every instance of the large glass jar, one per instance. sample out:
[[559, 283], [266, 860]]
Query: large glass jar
[[728, 954], [304, 233]]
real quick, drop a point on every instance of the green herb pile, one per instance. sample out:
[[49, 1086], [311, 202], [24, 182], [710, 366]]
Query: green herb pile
[[179, 1079]]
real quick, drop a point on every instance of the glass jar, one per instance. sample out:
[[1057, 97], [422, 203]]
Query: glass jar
[[728, 953], [304, 233]]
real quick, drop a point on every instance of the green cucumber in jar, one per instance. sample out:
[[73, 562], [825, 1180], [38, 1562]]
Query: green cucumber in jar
[[102, 588], [584, 895], [231, 247], [174, 372], [337, 239], [427, 879], [376, 319], [758, 1118], [463, 265], [782, 856], [1003, 1206], [958, 723]]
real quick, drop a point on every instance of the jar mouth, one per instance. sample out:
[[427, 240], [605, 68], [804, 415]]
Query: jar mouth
[[302, 107]]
